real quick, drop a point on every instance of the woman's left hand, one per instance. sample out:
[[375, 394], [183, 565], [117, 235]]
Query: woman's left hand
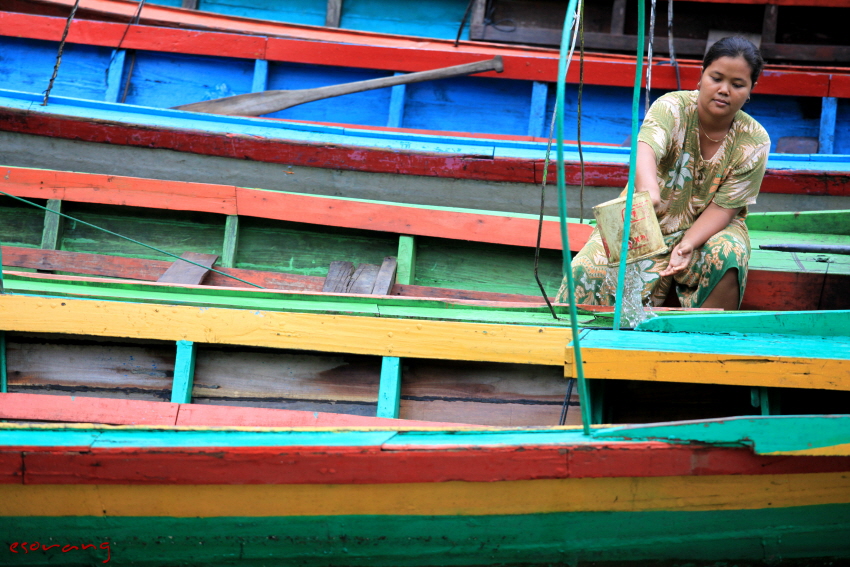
[[680, 257]]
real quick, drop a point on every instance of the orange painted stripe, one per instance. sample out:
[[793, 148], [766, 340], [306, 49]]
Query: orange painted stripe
[[680, 494]]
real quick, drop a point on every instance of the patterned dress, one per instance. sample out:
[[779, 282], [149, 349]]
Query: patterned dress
[[689, 183]]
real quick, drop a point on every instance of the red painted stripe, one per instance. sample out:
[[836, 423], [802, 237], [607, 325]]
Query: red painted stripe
[[11, 467], [402, 55], [112, 411], [117, 190], [51, 408], [494, 229], [373, 465], [375, 160], [109, 34], [224, 199], [839, 86]]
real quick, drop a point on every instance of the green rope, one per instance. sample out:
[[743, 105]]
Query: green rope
[[630, 188], [562, 206], [130, 239]]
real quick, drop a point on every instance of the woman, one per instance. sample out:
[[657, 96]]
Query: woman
[[701, 159]]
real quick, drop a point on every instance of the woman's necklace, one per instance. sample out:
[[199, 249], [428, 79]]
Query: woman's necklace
[[710, 139]]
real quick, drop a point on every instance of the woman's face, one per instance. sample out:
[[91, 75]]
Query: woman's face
[[724, 87]]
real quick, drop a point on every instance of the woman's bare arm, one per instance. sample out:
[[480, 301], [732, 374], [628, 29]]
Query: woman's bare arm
[[646, 172], [712, 220]]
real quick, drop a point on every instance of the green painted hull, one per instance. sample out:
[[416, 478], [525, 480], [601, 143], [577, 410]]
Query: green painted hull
[[802, 535]]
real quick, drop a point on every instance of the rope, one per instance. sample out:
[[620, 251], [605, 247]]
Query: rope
[[578, 121], [630, 188], [59, 54], [566, 406], [562, 206], [543, 200], [649, 54], [130, 239], [670, 44], [463, 21]]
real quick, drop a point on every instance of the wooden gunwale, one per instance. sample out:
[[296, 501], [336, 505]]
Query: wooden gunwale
[[475, 226], [514, 335], [359, 158]]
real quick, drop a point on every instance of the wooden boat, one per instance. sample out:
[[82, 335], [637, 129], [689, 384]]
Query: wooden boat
[[706, 490], [744, 490], [296, 417], [422, 431], [466, 172], [792, 102], [282, 240]]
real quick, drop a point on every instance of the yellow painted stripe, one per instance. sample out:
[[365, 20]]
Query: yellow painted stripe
[[691, 493], [841, 450], [330, 333], [694, 368]]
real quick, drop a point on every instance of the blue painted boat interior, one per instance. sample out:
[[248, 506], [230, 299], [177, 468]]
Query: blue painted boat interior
[[463, 104]]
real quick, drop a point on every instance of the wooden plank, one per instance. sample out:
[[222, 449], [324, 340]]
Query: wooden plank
[[194, 415], [768, 28], [382, 336], [144, 370], [119, 190], [385, 280], [826, 137], [618, 17], [260, 80], [339, 277], [476, 21], [363, 279], [189, 274], [114, 75], [715, 369], [824, 324], [3, 383], [743, 359], [406, 269], [228, 375], [389, 393], [462, 224], [395, 116], [11, 467], [109, 411], [488, 414], [537, 114], [184, 373], [334, 11], [51, 237], [231, 241]]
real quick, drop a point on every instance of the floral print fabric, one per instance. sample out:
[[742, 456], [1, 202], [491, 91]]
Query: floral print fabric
[[731, 178]]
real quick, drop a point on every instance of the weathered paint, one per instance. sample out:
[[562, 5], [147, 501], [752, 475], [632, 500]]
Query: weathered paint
[[184, 373], [826, 323], [636, 494], [742, 536], [799, 433], [389, 393]]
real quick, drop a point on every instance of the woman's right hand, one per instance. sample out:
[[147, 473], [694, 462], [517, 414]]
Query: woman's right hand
[[680, 257]]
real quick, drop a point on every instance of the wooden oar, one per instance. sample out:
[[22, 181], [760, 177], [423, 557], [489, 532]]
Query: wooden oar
[[256, 104]]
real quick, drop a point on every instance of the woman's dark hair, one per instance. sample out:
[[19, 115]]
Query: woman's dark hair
[[736, 46]]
